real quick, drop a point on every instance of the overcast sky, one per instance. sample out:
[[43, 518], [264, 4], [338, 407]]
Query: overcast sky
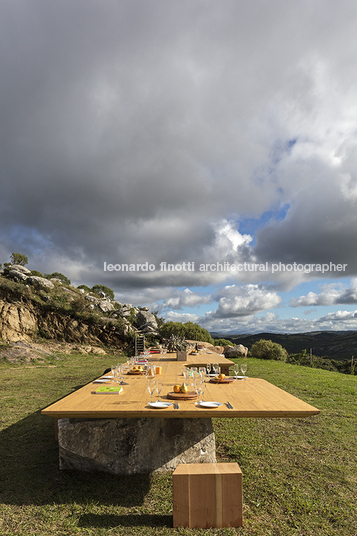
[[191, 132]]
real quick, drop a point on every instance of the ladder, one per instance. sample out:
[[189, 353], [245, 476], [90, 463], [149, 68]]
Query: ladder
[[139, 344]]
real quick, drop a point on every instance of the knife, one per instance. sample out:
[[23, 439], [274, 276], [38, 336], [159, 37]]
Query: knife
[[229, 405]]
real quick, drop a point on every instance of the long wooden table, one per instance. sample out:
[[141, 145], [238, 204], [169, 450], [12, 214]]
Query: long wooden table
[[123, 434], [252, 397]]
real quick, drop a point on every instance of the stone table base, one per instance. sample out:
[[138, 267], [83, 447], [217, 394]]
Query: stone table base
[[128, 446]]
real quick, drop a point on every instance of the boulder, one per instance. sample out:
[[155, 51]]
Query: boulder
[[40, 282], [20, 269], [235, 351], [105, 306], [129, 446], [92, 299], [18, 276], [146, 321], [125, 311]]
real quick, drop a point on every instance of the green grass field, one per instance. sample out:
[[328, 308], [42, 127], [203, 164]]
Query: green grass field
[[299, 475]]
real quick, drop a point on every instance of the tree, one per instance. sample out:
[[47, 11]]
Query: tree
[[19, 259], [58, 275], [84, 287], [189, 330], [266, 349], [102, 288]]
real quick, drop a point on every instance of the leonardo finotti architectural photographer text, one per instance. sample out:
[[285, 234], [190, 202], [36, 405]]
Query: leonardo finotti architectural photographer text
[[225, 267]]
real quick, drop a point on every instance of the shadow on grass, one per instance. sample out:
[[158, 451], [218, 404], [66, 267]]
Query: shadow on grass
[[134, 520], [29, 472]]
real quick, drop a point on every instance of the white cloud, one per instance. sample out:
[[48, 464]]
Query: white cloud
[[185, 298], [330, 295], [244, 300]]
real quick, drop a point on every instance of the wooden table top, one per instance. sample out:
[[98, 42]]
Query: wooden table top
[[199, 360], [252, 397]]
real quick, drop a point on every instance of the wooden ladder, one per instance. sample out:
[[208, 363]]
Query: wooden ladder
[[139, 344]]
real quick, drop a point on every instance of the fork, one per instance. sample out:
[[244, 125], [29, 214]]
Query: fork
[[176, 406], [229, 405]]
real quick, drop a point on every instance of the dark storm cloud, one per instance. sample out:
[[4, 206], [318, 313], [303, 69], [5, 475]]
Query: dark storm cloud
[[145, 131]]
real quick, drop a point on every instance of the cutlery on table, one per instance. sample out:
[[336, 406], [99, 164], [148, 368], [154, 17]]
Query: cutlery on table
[[229, 405], [176, 406]]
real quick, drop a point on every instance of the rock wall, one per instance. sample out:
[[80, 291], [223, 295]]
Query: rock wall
[[18, 322]]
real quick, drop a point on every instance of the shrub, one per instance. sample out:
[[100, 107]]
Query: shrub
[[222, 342], [189, 330], [58, 275], [266, 349], [36, 273], [85, 288], [102, 288]]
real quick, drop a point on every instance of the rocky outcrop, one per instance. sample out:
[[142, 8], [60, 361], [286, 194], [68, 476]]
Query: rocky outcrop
[[17, 322], [36, 305], [41, 282], [21, 273], [146, 322], [235, 351]]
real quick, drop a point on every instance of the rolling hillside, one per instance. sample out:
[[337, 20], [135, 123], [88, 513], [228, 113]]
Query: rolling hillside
[[329, 344]]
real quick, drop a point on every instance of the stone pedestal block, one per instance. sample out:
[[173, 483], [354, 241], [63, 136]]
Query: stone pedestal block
[[128, 446]]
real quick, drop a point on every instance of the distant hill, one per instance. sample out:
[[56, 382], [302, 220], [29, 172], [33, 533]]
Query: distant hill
[[329, 344]]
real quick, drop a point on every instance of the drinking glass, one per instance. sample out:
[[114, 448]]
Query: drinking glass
[[151, 387], [236, 369], [194, 372], [202, 372], [150, 371], [114, 369], [208, 368], [202, 388], [158, 386], [215, 367], [243, 368]]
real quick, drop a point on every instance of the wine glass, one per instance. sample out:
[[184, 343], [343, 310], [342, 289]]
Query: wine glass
[[114, 369], [151, 387], [236, 369], [208, 368], [158, 387], [194, 372], [201, 389], [202, 372], [215, 367], [243, 368]]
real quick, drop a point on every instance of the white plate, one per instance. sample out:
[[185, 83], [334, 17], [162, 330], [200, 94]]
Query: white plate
[[160, 405], [101, 380], [240, 377], [210, 404]]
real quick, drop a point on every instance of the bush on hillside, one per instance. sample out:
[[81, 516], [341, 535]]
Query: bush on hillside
[[102, 288], [188, 330], [85, 288], [36, 273], [222, 342], [58, 275], [266, 349]]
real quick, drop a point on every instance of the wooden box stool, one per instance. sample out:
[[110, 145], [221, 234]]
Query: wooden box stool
[[207, 495]]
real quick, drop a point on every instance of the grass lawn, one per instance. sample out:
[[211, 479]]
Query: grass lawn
[[299, 475]]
